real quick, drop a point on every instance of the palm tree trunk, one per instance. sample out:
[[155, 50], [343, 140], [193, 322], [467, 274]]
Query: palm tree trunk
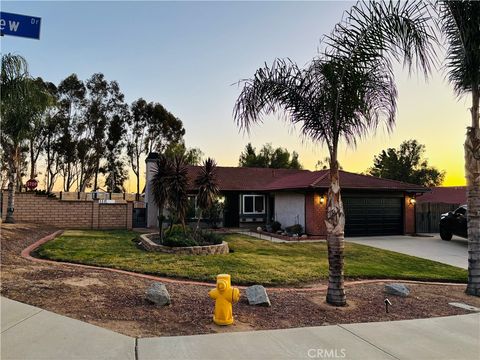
[[335, 223], [472, 170], [11, 197]]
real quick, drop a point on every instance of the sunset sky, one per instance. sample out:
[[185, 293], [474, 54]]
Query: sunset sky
[[187, 56]]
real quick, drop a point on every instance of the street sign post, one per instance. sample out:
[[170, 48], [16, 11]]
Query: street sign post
[[20, 25]]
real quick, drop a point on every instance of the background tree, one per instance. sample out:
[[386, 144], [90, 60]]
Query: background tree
[[191, 156], [406, 164], [71, 100], [152, 128], [37, 133], [343, 94], [103, 102], [268, 157], [207, 185], [115, 165], [459, 23]]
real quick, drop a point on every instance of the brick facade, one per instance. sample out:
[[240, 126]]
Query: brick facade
[[315, 214], [76, 214]]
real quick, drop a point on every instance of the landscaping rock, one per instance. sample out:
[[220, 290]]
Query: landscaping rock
[[257, 295], [397, 289], [304, 236], [157, 293]]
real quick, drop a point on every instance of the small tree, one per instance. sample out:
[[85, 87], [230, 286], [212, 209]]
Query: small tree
[[160, 183], [177, 195], [207, 185]]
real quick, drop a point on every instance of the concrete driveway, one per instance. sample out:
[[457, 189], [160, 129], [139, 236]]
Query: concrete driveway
[[452, 252]]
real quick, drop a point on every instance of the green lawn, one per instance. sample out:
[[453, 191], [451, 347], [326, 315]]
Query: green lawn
[[252, 260]]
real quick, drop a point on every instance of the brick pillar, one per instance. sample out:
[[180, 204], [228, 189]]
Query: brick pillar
[[315, 214], [95, 214], [129, 215]]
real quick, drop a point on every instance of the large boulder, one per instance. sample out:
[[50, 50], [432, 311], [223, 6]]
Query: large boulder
[[257, 295], [157, 293], [397, 289]]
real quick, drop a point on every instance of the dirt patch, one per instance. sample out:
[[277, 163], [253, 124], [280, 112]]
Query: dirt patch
[[117, 301]]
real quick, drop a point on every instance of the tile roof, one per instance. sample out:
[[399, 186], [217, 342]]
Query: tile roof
[[267, 179], [446, 195]]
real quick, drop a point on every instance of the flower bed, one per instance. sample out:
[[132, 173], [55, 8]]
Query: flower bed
[[217, 249]]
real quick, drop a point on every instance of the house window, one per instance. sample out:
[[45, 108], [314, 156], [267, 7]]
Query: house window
[[192, 207], [254, 204]]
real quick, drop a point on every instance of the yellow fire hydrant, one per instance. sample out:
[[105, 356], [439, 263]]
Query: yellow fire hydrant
[[224, 295]]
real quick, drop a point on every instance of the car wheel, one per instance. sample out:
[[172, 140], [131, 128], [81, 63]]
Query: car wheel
[[445, 235]]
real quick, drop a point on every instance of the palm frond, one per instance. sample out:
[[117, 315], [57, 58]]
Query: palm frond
[[460, 26]]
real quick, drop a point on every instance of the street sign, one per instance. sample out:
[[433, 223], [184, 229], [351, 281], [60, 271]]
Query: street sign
[[20, 25], [32, 184]]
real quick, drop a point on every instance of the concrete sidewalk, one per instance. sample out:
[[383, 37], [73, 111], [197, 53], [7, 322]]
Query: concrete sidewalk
[[32, 333]]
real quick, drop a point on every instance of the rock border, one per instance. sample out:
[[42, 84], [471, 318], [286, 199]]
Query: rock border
[[218, 249]]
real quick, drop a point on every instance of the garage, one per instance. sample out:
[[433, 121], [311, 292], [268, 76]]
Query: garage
[[373, 215]]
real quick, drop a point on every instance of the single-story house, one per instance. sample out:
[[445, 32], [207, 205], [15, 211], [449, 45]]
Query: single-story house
[[257, 196]]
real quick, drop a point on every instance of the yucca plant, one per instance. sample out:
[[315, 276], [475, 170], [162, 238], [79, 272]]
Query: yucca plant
[[160, 183], [178, 195], [347, 91], [207, 185]]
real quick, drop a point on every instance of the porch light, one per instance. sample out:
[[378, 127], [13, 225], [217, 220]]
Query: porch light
[[413, 200], [322, 199]]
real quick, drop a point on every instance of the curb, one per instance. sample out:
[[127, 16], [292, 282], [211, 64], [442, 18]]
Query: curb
[[26, 254]]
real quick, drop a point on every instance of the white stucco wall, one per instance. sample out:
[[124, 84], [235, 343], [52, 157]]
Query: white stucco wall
[[290, 208], [152, 209]]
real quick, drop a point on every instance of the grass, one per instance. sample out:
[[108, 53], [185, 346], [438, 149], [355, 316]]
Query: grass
[[252, 260]]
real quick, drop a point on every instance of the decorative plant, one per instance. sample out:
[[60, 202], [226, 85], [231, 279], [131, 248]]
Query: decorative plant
[[208, 189]]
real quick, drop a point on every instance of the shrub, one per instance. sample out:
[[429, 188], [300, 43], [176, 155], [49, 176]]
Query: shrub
[[276, 226], [179, 240], [209, 238], [294, 229]]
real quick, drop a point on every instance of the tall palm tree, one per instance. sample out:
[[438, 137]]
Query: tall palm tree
[[342, 95], [460, 25], [22, 99], [207, 184]]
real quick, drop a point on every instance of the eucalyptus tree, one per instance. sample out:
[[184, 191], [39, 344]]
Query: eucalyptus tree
[[71, 102], [104, 100], [343, 94], [460, 25], [151, 128], [114, 169]]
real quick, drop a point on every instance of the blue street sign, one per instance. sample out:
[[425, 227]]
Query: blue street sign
[[20, 25]]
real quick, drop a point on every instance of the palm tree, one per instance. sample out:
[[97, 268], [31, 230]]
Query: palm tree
[[459, 23], [22, 100], [207, 185], [342, 95], [160, 183]]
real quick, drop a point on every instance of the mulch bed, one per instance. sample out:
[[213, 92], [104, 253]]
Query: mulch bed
[[117, 301]]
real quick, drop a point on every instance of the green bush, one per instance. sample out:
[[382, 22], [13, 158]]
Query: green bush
[[179, 240], [209, 238], [276, 226], [294, 229]]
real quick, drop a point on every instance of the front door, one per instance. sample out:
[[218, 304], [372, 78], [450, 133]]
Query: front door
[[231, 211]]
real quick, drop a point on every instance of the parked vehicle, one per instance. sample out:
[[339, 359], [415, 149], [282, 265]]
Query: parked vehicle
[[454, 223]]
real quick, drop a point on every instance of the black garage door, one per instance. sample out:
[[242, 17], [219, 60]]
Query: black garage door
[[371, 216]]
